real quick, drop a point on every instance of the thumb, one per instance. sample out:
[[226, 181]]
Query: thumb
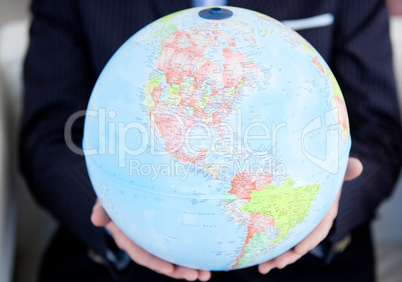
[[99, 217], [354, 169]]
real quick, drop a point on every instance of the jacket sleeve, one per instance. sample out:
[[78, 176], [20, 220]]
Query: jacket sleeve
[[362, 64], [58, 81]]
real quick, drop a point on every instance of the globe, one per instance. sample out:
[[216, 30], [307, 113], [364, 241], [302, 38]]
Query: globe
[[216, 138]]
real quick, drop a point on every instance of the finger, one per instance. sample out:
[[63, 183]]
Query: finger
[[99, 217], [190, 274], [138, 254], [279, 262], [181, 272], [354, 169], [286, 258], [283, 260], [294, 258], [204, 275], [266, 267]]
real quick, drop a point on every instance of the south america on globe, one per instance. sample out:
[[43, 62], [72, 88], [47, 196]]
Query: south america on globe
[[216, 138]]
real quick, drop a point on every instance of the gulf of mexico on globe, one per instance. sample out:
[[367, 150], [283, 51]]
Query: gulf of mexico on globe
[[216, 144]]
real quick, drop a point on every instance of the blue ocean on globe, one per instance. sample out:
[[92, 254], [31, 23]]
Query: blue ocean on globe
[[216, 143]]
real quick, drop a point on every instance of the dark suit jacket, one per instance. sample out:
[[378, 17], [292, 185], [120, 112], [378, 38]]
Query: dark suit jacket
[[72, 40]]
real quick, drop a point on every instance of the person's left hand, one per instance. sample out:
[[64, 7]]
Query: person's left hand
[[353, 170]]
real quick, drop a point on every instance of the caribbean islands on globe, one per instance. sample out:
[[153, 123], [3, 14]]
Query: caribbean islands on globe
[[216, 138]]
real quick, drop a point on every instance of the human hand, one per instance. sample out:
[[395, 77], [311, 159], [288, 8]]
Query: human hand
[[100, 219], [319, 233]]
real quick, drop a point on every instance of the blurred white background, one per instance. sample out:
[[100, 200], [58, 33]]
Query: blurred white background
[[29, 227], [12, 10], [24, 228]]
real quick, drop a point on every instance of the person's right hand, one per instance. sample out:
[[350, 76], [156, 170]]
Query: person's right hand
[[100, 218]]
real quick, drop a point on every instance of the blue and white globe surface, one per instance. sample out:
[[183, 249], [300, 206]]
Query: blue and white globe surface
[[216, 144]]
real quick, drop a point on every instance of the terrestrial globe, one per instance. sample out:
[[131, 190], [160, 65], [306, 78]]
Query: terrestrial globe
[[216, 138]]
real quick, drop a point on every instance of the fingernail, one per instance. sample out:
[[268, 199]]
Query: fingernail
[[205, 277]]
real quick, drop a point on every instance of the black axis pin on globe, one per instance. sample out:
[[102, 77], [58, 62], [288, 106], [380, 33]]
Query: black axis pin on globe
[[215, 13]]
